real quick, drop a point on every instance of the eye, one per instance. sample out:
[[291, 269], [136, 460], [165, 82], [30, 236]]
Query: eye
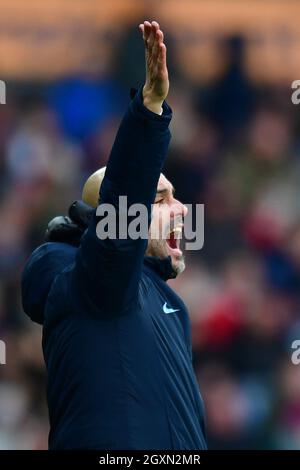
[[160, 201]]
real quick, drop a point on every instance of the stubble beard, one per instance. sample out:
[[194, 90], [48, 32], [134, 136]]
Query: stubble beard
[[158, 248]]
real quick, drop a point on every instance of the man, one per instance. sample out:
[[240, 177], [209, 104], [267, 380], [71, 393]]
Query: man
[[116, 338]]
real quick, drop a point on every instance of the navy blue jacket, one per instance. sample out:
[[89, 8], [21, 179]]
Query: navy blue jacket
[[120, 372]]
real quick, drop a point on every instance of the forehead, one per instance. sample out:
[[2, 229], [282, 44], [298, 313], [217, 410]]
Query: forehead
[[164, 183]]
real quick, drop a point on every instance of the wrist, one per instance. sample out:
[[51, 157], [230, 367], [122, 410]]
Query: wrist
[[152, 103]]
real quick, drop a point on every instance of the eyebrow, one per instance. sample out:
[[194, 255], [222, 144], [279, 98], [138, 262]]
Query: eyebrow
[[165, 191]]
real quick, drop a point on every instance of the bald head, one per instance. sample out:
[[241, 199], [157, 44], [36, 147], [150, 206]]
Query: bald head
[[91, 188]]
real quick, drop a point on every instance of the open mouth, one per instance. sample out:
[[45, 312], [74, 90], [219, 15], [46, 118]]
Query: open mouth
[[173, 242]]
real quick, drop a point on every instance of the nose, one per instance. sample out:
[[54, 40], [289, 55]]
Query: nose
[[179, 209], [184, 210]]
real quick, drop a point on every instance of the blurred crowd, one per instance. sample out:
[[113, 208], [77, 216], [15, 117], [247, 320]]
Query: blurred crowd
[[235, 148]]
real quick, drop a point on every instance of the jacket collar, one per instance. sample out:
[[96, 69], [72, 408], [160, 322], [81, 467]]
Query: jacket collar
[[162, 267]]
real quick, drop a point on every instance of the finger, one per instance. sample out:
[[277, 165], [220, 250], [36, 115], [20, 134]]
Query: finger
[[142, 30], [155, 25], [162, 57], [147, 29], [157, 42], [152, 36]]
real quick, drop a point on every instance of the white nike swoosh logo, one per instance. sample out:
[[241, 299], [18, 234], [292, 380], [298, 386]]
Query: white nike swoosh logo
[[169, 310]]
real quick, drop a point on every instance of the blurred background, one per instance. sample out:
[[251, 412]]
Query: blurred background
[[68, 68]]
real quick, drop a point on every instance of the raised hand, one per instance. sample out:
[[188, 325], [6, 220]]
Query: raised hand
[[156, 86]]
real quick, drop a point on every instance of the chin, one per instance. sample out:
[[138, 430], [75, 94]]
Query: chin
[[178, 264], [162, 250]]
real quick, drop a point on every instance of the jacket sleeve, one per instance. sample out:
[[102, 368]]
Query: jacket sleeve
[[107, 271]]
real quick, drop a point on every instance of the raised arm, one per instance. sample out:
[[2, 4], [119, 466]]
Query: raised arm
[[107, 271]]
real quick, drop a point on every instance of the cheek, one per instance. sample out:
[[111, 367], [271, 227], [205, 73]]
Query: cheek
[[154, 217], [156, 220], [160, 221]]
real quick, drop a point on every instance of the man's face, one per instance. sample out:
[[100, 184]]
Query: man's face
[[166, 225]]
